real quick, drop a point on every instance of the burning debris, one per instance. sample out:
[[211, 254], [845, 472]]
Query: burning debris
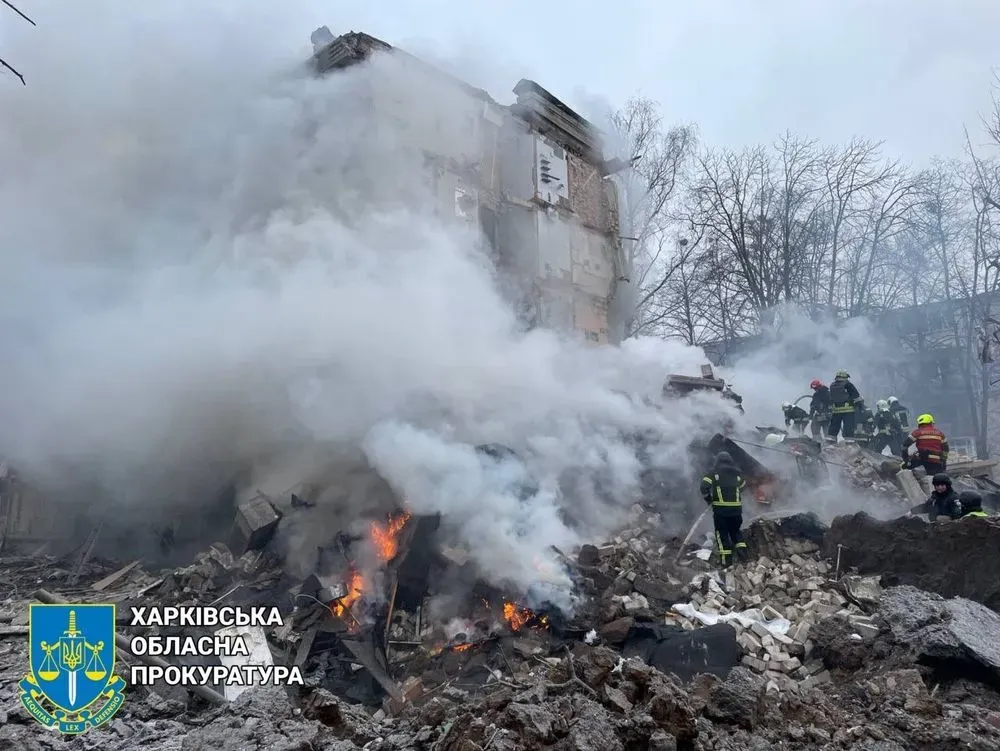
[[790, 650]]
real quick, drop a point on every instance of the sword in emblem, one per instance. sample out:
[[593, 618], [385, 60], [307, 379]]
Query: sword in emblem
[[72, 655]]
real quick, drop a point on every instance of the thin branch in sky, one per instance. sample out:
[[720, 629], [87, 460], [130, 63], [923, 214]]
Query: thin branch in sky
[[8, 66], [17, 10]]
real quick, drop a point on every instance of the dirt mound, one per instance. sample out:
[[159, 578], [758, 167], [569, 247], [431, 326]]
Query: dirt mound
[[952, 559]]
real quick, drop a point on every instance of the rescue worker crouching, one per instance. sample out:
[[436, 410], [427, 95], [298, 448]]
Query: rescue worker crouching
[[795, 416], [931, 447], [844, 399], [722, 489], [971, 504], [819, 409], [886, 428]]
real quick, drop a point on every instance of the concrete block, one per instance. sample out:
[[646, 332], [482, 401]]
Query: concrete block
[[760, 629], [255, 525], [867, 631], [817, 680], [754, 663]]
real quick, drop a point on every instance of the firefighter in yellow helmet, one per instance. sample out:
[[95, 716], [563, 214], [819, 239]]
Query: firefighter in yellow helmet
[[930, 444]]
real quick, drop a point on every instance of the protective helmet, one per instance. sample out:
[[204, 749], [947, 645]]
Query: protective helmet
[[786, 405], [893, 400], [842, 374], [971, 500], [773, 439], [882, 405], [815, 383], [941, 479], [925, 419]]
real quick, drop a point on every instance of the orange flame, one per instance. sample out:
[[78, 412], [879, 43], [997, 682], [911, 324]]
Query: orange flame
[[355, 589], [516, 616], [461, 647], [386, 536]]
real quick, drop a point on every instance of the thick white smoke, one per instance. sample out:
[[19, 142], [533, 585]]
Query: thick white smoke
[[215, 268]]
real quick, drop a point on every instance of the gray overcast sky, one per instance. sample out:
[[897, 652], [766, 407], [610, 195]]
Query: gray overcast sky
[[910, 72], [906, 71]]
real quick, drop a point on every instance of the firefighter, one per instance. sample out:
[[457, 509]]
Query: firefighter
[[795, 415], [844, 399], [943, 501], [819, 409], [865, 431], [931, 447], [722, 489], [903, 418], [971, 504], [886, 428], [901, 413]]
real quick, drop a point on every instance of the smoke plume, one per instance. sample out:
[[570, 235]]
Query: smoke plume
[[217, 271]]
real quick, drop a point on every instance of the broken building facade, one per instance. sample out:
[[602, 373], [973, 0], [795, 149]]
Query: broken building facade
[[530, 176]]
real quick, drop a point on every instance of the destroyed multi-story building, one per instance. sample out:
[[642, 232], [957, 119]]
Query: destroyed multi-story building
[[532, 176]]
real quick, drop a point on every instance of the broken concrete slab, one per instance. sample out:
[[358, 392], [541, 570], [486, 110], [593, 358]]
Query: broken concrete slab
[[865, 590], [949, 634], [255, 525], [908, 550], [910, 486]]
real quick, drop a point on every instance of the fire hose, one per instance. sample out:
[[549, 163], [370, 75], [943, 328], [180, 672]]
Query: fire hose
[[123, 644]]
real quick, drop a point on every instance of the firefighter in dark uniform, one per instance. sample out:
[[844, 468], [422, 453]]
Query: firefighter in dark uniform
[[795, 415], [819, 409], [971, 504], [931, 447], [722, 489], [886, 428], [844, 400], [902, 416], [865, 431]]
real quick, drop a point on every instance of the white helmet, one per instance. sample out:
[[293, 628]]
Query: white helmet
[[892, 400], [786, 405], [882, 405], [773, 439]]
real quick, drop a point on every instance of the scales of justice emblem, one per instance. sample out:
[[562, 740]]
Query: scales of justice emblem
[[72, 656]]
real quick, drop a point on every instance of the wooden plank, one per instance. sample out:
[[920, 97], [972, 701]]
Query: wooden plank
[[973, 468], [110, 579], [305, 646], [365, 655]]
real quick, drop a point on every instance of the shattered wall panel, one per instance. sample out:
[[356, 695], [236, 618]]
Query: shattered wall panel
[[590, 316], [593, 269], [554, 258], [587, 195], [517, 160]]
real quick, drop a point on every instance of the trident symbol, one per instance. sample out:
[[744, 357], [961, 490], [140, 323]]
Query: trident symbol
[[71, 654]]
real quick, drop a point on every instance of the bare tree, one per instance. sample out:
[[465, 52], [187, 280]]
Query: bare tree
[[4, 63], [659, 156]]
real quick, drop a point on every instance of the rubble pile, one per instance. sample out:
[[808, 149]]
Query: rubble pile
[[865, 470], [774, 607], [792, 650]]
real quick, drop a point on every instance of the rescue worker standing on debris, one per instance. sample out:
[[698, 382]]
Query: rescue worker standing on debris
[[902, 416], [943, 501], [844, 399], [886, 427], [866, 426], [722, 489], [819, 409], [931, 447], [795, 415]]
